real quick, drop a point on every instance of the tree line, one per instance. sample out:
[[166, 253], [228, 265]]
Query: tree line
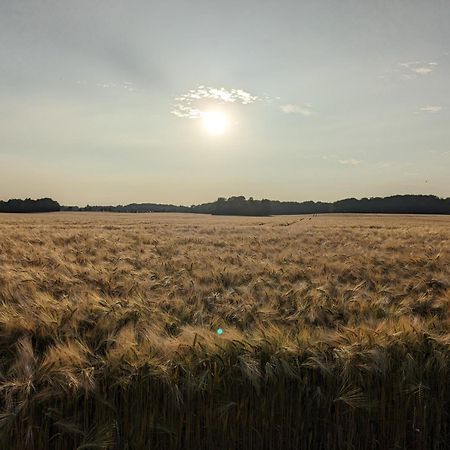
[[28, 205], [131, 208], [396, 204], [241, 206]]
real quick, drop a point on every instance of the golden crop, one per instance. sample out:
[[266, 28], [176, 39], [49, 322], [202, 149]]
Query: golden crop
[[336, 332]]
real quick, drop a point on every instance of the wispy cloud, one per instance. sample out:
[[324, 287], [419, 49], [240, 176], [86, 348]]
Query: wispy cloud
[[196, 102], [383, 164], [191, 105], [414, 69], [304, 110], [431, 108], [350, 162], [411, 174], [410, 70], [126, 85]]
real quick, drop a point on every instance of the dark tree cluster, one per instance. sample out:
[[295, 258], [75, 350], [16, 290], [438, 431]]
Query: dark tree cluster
[[131, 208], [308, 207], [29, 206], [240, 206], [396, 204]]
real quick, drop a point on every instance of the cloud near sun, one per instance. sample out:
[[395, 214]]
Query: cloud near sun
[[195, 103], [200, 103]]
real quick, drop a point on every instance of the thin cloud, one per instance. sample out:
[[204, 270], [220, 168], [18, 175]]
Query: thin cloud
[[126, 85], [422, 70], [195, 103], [431, 108], [409, 70], [384, 164], [350, 162], [411, 174], [414, 69], [304, 110], [191, 104]]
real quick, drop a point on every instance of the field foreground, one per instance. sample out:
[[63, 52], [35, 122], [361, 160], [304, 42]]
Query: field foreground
[[336, 332]]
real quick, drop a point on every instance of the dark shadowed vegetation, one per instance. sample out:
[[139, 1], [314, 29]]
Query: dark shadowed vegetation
[[240, 206], [29, 206], [336, 332]]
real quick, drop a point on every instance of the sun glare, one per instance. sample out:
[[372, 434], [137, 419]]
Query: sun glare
[[215, 122]]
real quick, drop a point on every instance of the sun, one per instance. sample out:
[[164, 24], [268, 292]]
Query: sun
[[215, 122]]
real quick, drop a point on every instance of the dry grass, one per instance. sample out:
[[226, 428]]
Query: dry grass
[[336, 332]]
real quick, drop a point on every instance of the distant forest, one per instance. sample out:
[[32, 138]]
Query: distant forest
[[28, 205], [241, 206]]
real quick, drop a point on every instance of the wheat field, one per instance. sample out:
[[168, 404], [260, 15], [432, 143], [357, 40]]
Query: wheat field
[[336, 332]]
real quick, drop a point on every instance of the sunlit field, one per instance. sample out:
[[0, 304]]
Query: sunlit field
[[182, 331]]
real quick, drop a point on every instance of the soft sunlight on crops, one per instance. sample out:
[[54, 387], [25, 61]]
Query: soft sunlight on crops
[[335, 332]]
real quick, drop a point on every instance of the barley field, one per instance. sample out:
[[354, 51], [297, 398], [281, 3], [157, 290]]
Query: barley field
[[335, 332]]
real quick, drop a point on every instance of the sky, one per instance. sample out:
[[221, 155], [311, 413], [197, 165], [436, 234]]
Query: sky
[[113, 102]]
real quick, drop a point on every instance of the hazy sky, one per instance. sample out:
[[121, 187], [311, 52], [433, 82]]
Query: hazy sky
[[106, 101]]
